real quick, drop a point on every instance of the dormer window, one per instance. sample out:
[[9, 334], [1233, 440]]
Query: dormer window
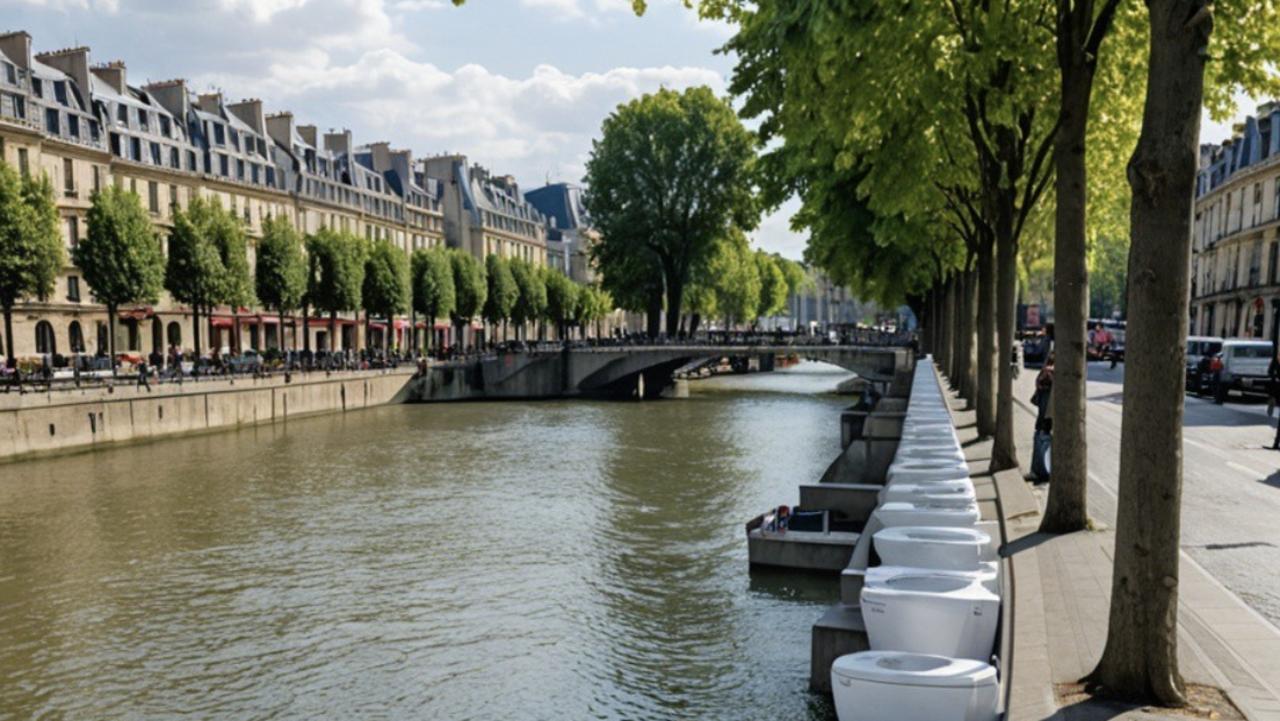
[[60, 91], [235, 139], [219, 135], [165, 127], [122, 114], [142, 120], [11, 73], [37, 87]]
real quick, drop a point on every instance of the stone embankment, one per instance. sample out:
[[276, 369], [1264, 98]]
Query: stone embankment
[[33, 424]]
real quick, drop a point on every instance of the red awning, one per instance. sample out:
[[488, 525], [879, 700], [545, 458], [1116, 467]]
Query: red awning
[[377, 324], [400, 324], [137, 313], [266, 319], [324, 322], [421, 324], [222, 323]]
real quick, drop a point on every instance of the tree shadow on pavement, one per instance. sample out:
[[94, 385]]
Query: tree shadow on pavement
[[1026, 543]]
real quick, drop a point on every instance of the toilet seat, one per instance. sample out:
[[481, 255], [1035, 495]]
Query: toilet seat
[[933, 614], [925, 546], [914, 669], [987, 574]]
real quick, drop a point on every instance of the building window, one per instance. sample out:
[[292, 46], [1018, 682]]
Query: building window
[[37, 87], [142, 120], [191, 160], [173, 197], [155, 154], [164, 126], [224, 166], [1257, 203], [60, 91], [97, 178], [175, 334], [76, 337], [51, 121], [73, 126], [23, 166], [73, 231], [73, 288], [175, 161], [46, 343], [69, 177], [135, 150], [116, 148], [11, 74], [153, 197], [219, 135], [93, 130], [122, 114]]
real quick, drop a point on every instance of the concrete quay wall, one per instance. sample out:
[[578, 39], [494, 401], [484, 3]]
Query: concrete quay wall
[[34, 424]]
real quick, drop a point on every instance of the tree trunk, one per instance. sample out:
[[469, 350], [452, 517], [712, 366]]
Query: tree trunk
[[953, 330], [695, 320], [1067, 510], [9, 358], [1004, 453], [111, 337], [1140, 660], [654, 315], [964, 349], [306, 329], [195, 329], [985, 346], [333, 330], [280, 330], [675, 296]]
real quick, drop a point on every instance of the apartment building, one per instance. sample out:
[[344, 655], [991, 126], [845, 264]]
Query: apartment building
[[1235, 273], [84, 126], [485, 214]]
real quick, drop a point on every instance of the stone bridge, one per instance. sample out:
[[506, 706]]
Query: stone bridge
[[622, 371]]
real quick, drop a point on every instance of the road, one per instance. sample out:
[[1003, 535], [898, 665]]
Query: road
[[1231, 485]]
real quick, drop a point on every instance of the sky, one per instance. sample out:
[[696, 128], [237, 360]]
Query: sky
[[520, 86]]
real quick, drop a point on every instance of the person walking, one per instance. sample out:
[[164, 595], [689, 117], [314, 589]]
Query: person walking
[[1043, 439], [1273, 394]]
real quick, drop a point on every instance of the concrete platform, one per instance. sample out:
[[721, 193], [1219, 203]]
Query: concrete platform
[[803, 550], [840, 631]]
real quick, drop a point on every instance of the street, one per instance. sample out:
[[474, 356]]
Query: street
[[1231, 485]]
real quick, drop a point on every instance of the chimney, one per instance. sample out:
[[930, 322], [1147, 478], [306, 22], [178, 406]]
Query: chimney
[[402, 164], [112, 74], [308, 133], [280, 128], [75, 63], [210, 103], [381, 154], [172, 96], [17, 46], [250, 112], [339, 143]]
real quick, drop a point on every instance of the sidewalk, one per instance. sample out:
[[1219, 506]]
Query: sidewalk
[[1060, 588]]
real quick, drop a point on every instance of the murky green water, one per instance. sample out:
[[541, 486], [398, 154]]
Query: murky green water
[[495, 561]]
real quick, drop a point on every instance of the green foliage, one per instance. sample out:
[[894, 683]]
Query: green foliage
[[194, 267], [502, 293], [773, 285], [31, 253], [226, 233], [385, 290], [671, 173], [531, 298], [562, 299], [1108, 276], [736, 278], [280, 275], [432, 276], [120, 256], [469, 285], [335, 277]]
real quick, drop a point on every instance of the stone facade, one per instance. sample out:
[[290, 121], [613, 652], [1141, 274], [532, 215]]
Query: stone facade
[[85, 126], [1235, 273]]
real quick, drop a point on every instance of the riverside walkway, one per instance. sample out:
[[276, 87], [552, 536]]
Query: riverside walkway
[[1061, 596]]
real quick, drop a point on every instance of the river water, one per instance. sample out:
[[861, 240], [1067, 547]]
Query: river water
[[488, 561]]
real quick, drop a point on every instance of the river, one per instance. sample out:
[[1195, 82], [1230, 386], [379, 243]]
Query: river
[[488, 561]]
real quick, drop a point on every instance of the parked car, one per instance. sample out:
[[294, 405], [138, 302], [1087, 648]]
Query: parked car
[[1241, 365], [1199, 348]]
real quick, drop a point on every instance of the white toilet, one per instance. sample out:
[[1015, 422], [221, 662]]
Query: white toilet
[[896, 686], [924, 612], [924, 492], [956, 548], [899, 513], [987, 573], [922, 470], [941, 454]]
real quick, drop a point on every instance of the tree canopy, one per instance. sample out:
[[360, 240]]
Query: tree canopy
[[385, 289], [671, 173], [31, 253], [502, 292], [280, 276]]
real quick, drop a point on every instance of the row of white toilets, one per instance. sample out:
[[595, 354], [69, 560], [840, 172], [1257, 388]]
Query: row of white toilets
[[932, 608]]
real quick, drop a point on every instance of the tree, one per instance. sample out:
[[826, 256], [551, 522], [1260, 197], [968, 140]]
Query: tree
[[385, 290], [433, 293], [193, 266], [773, 285], [562, 302], [336, 276], [1107, 276], [280, 276], [235, 282], [737, 279], [502, 294], [31, 252], [531, 298], [120, 255], [469, 287], [670, 173]]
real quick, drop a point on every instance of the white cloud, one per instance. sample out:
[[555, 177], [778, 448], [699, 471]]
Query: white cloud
[[107, 6], [533, 127]]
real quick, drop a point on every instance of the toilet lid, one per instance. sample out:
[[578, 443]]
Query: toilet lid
[[934, 534], [914, 669]]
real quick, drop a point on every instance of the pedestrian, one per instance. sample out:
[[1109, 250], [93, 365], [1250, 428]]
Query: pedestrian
[[1273, 394], [1043, 438]]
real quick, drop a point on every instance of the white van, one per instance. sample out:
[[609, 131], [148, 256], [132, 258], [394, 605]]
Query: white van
[[1241, 365]]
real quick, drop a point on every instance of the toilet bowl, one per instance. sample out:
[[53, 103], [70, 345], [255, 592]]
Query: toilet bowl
[[896, 686], [924, 612], [987, 573], [916, 469], [899, 513], [924, 492], [939, 453], [956, 548]]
